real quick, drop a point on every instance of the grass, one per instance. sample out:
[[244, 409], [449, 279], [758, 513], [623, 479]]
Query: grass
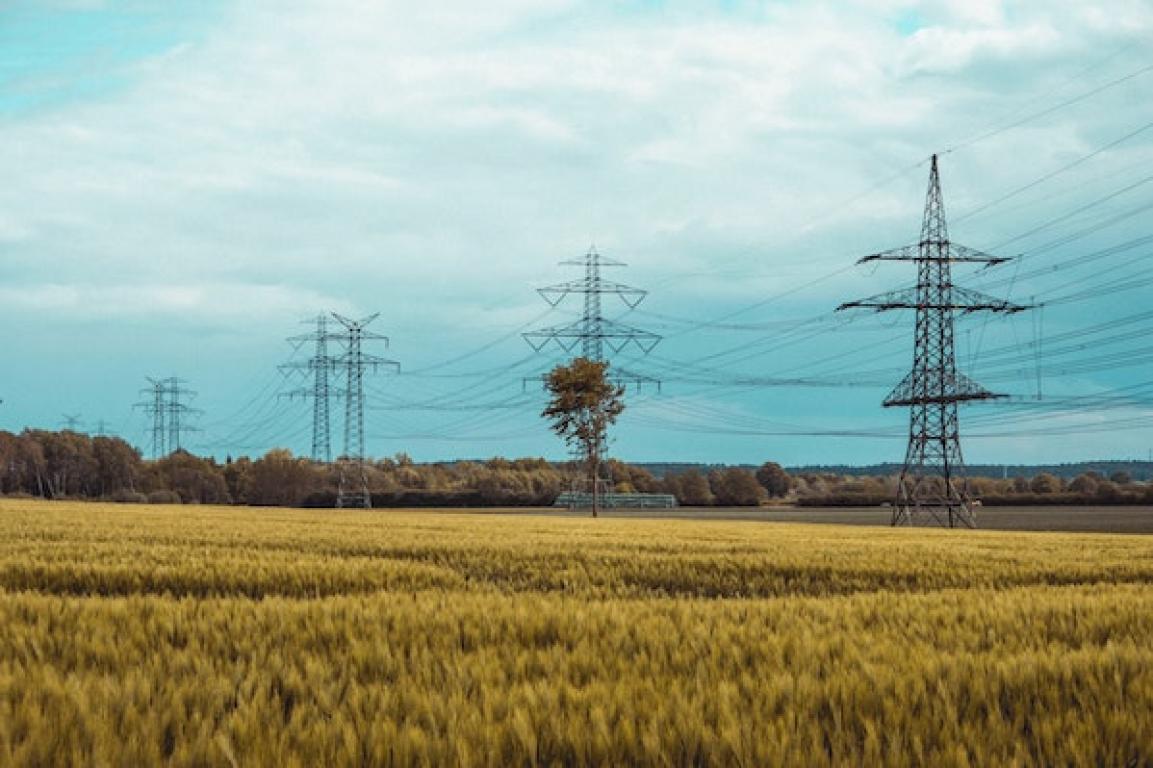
[[191, 636]]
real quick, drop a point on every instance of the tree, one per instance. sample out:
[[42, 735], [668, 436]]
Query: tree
[[691, 488], [774, 479], [279, 479], [1045, 483], [735, 487], [193, 479], [118, 465], [1084, 484], [582, 405]]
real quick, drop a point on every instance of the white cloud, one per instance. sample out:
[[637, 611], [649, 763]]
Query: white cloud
[[938, 50], [220, 303]]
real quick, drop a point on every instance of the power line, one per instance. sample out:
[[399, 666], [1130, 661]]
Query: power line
[[1050, 110]]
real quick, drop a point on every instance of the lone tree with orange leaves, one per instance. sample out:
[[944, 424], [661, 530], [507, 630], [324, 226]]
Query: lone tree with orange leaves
[[583, 403]]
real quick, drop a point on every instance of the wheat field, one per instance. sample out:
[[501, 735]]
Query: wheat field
[[149, 635]]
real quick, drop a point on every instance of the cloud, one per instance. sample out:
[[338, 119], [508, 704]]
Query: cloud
[[222, 304], [434, 161]]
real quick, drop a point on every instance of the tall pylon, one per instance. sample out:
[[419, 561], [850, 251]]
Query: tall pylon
[[321, 365], [592, 332], [353, 488], [155, 408], [71, 422], [931, 488], [177, 410], [166, 407]]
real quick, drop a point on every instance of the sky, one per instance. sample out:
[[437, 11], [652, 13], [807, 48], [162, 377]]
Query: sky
[[186, 183]]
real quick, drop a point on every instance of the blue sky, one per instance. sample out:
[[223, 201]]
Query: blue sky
[[185, 182]]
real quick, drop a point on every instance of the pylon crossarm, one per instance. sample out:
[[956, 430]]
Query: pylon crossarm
[[584, 285], [605, 329], [645, 343], [969, 300], [904, 253], [351, 324], [624, 377], [593, 257], [953, 252], [960, 299], [895, 401], [963, 253]]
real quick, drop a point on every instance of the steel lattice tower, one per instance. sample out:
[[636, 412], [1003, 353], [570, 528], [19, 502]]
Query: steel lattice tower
[[320, 365], [155, 408], [353, 488], [167, 411], [592, 332], [931, 488], [176, 412]]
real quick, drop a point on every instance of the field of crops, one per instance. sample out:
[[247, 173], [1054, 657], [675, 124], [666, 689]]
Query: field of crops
[[140, 635]]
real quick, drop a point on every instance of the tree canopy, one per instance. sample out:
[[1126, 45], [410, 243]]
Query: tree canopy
[[583, 403]]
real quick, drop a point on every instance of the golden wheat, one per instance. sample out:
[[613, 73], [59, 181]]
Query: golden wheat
[[192, 636]]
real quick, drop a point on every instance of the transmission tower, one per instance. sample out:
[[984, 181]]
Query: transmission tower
[[320, 365], [592, 332], [70, 422], [353, 488], [177, 410], [168, 411], [155, 407], [931, 488]]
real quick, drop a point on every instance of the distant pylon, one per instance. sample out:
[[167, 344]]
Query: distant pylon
[[155, 407], [353, 488], [167, 409], [593, 332], [320, 365], [70, 422], [931, 488], [177, 410]]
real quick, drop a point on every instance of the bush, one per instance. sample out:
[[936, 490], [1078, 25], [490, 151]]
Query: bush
[[164, 497]]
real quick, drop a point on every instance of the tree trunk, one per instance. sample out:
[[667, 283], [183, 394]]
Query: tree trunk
[[594, 471]]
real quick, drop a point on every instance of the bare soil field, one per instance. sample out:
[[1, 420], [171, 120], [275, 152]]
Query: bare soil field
[[1098, 519]]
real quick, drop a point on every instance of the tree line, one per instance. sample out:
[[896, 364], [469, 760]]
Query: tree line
[[71, 465]]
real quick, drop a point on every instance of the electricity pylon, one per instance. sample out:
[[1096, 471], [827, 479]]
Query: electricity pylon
[[931, 488], [167, 410], [592, 332], [320, 365], [177, 410], [71, 422], [353, 488]]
